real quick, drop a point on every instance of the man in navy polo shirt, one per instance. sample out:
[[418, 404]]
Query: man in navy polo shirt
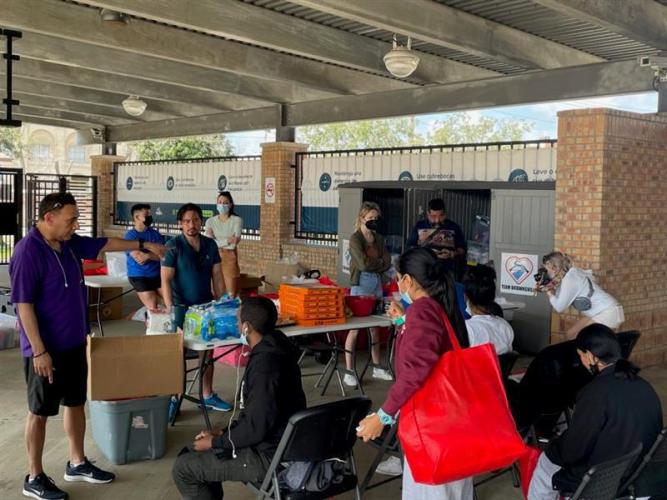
[[49, 292]]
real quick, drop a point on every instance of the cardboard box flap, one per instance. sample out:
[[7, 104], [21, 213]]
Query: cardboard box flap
[[134, 367]]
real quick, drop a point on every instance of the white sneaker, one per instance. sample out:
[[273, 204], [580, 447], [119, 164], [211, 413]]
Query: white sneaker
[[350, 380], [382, 374], [390, 467]]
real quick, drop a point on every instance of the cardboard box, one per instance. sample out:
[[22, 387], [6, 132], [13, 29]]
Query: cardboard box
[[135, 367], [275, 272], [248, 285], [111, 310]]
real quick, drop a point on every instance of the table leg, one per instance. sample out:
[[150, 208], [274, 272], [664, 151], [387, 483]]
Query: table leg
[[202, 370], [99, 311]]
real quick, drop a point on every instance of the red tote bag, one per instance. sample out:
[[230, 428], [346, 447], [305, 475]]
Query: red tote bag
[[458, 424]]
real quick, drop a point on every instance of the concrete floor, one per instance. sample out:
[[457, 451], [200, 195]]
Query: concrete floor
[[151, 480]]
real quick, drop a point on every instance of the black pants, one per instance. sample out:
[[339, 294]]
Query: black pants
[[198, 475]]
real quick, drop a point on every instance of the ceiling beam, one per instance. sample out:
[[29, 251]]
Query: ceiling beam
[[233, 121], [117, 62], [591, 80], [439, 24], [260, 26], [641, 20], [70, 116], [97, 80], [53, 122], [83, 24]]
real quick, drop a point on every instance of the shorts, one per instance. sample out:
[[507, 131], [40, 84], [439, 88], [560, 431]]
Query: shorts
[[613, 317], [70, 380], [230, 263], [369, 284], [146, 284]]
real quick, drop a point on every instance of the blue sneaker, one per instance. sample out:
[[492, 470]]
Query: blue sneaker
[[88, 473], [173, 408], [213, 402]]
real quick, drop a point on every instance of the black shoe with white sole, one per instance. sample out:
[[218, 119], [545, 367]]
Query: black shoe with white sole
[[42, 487], [88, 473]]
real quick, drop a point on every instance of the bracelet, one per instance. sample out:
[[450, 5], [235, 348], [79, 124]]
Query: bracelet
[[385, 419], [38, 355]]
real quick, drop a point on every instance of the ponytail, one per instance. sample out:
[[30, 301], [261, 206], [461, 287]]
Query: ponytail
[[625, 369]]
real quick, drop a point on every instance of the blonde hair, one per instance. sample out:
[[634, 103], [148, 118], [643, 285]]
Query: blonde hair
[[559, 260], [367, 206]]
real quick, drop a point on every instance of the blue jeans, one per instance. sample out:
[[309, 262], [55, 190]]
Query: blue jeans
[[369, 284]]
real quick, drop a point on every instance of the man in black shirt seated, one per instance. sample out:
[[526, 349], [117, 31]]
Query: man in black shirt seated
[[271, 392], [614, 412]]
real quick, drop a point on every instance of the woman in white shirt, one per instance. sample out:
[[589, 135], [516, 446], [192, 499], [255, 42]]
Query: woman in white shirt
[[479, 284], [225, 228], [571, 286]]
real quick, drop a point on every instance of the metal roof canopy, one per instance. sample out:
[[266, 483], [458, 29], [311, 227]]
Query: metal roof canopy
[[214, 66]]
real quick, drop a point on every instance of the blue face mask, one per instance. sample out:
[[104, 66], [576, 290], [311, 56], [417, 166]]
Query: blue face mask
[[222, 209], [404, 296], [244, 339]]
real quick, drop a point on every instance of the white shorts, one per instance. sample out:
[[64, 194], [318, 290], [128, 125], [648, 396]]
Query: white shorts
[[613, 317]]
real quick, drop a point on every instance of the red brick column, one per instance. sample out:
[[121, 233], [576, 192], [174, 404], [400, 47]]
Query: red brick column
[[101, 166], [611, 194]]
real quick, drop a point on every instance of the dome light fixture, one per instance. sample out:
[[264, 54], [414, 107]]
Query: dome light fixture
[[114, 17], [134, 106], [401, 61]]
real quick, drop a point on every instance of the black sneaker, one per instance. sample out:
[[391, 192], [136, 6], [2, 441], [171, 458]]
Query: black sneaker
[[42, 487], [88, 472]]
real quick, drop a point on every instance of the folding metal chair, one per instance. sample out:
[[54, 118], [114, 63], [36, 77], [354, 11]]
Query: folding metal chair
[[650, 476]]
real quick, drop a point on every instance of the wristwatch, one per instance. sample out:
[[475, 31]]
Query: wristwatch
[[141, 243], [385, 419]]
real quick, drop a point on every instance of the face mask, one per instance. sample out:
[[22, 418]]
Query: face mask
[[468, 311], [148, 220], [594, 369], [372, 225], [244, 336], [405, 297], [222, 209]]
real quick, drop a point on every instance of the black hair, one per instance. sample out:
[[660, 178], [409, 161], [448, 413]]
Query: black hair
[[228, 195], [601, 341], [431, 274], [54, 201], [189, 207], [437, 205], [479, 283], [139, 206], [261, 313]]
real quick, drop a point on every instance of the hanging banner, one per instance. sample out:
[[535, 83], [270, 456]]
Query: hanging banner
[[168, 185], [517, 273]]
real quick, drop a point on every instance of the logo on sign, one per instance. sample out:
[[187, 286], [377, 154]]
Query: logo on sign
[[270, 189], [518, 175], [405, 176], [325, 182], [129, 183], [170, 183], [519, 268], [222, 183]]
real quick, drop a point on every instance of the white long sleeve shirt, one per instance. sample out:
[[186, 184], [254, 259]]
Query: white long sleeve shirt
[[485, 328], [574, 284]]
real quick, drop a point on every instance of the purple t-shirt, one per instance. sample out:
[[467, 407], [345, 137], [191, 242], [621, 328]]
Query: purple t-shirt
[[53, 282]]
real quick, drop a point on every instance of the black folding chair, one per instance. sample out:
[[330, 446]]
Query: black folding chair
[[628, 340], [387, 445], [602, 481], [314, 435], [650, 476]]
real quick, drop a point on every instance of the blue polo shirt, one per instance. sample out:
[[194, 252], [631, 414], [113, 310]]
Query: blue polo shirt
[[192, 280], [150, 269], [53, 282]]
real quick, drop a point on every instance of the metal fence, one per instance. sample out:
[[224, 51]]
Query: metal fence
[[312, 230], [11, 210]]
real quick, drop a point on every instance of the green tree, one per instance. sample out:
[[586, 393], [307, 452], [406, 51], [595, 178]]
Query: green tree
[[204, 146], [12, 145], [461, 128]]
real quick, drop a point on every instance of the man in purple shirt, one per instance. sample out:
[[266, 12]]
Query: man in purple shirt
[[49, 292]]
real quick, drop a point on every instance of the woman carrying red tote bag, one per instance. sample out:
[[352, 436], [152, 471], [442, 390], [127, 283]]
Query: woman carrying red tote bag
[[458, 424]]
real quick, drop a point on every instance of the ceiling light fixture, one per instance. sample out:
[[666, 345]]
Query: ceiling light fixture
[[401, 61], [114, 17], [134, 106]]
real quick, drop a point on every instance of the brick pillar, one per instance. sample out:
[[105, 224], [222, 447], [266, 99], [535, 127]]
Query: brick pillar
[[610, 197], [101, 166]]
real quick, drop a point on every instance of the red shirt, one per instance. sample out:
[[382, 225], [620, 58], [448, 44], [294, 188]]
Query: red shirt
[[420, 343]]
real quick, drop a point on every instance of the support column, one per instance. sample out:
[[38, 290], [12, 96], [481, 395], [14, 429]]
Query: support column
[[611, 191], [101, 166]]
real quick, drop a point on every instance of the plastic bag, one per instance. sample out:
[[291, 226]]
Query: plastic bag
[[117, 264], [159, 323]]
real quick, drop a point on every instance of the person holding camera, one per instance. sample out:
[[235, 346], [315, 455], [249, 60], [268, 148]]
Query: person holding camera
[[568, 286]]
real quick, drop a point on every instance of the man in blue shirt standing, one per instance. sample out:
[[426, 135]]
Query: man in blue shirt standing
[[190, 268], [50, 295], [143, 267], [440, 234]]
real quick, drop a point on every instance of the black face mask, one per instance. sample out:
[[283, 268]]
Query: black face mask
[[372, 225], [148, 220], [594, 369]]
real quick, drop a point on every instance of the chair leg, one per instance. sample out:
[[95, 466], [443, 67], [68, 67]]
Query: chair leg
[[276, 487]]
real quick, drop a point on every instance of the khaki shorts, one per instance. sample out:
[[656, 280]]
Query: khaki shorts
[[230, 263]]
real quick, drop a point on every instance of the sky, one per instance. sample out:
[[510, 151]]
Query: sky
[[543, 117]]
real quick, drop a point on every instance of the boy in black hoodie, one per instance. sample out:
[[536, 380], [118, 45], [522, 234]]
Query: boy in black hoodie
[[271, 392]]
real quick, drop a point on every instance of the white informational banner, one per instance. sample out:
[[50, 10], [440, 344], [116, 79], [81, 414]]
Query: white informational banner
[[346, 256], [517, 273], [270, 190]]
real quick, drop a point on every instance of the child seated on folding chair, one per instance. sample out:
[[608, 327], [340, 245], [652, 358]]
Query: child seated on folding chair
[[614, 412], [270, 393]]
